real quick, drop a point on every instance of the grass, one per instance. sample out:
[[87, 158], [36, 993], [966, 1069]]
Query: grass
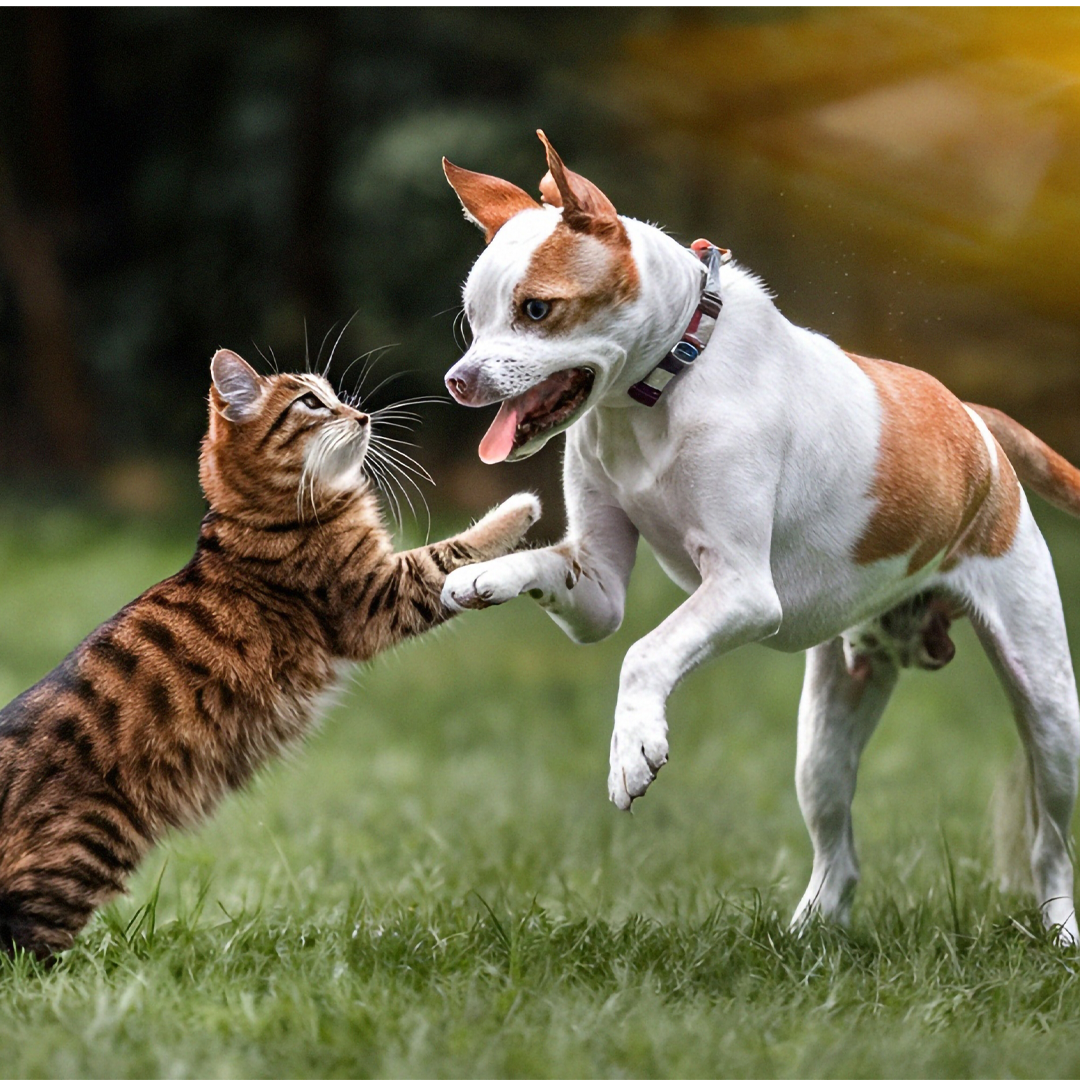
[[437, 886]]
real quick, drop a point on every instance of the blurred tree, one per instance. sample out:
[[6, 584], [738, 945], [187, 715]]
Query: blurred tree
[[183, 179], [32, 227]]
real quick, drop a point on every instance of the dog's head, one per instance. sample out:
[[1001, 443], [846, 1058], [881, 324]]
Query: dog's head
[[547, 303]]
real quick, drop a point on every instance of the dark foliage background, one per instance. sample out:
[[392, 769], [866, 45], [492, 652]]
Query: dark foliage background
[[176, 180], [173, 181]]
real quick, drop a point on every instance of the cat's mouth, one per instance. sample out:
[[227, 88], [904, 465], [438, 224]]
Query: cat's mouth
[[335, 459], [543, 408]]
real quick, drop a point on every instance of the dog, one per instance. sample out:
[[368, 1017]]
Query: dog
[[804, 497]]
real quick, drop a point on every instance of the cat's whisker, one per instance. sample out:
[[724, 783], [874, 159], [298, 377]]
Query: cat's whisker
[[263, 355], [403, 418], [400, 471], [393, 377], [379, 464], [399, 410], [398, 466], [403, 458], [376, 356], [315, 467], [399, 477], [392, 439], [402, 463], [405, 425], [423, 399], [322, 345], [370, 358], [403, 410], [382, 483], [337, 342], [409, 502], [403, 478]]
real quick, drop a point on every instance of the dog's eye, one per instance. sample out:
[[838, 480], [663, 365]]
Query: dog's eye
[[312, 401], [536, 309]]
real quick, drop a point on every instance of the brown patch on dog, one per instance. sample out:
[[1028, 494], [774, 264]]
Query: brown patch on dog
[[488, 201], [994, 528], [934, 486], [578, 274], [585, 208], [570, 190], [586, 263]]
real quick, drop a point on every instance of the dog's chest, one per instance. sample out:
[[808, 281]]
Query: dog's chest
[[647, 473]]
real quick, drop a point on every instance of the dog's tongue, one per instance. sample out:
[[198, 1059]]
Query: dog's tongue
[[496, 445]]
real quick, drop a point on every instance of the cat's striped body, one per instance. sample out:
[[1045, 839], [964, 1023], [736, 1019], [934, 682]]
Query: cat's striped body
[[184, 693]]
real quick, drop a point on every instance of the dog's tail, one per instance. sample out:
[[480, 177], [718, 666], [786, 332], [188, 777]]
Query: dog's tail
[[1014, 826], [1038, 467]]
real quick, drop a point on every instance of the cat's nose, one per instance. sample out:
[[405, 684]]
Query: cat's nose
[[363, 419]]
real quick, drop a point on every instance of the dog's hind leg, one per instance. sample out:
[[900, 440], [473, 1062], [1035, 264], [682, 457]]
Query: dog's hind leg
[[838, 712], [1016, 611]]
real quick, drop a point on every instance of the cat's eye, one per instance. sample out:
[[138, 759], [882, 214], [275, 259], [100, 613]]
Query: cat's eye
[[312, 401], [536, 309]]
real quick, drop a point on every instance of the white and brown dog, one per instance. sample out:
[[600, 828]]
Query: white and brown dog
[[804, 497]]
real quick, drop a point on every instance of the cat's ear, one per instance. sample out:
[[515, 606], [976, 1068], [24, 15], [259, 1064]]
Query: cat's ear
[[238, 384]]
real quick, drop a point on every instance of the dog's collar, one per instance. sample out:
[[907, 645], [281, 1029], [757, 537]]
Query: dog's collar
[[696, 336]]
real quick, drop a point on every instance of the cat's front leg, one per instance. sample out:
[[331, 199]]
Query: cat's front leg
[[499, 531]]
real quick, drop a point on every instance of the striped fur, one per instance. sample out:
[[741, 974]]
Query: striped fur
[[184, 693]]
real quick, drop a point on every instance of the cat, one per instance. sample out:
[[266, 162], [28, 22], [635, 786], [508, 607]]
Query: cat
[[184, 693]]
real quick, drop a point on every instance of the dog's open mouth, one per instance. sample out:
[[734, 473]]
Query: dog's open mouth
[[521, 419]]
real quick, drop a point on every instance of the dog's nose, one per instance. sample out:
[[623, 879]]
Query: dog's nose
[[470, 381], [461, 381]]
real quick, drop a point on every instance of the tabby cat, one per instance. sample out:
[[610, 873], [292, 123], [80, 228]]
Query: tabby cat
[[191, 687]]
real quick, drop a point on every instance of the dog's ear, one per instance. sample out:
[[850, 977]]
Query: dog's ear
[[488, 201], [585, 207]]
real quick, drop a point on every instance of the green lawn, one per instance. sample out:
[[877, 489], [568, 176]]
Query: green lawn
[[437, 886]]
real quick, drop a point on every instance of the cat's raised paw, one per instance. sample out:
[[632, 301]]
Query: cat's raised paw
[[500, 530]]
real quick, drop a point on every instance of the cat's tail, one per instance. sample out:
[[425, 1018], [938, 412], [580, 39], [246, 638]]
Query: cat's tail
[[1038, 467]]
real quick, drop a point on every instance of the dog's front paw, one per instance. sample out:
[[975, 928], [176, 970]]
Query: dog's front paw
[[482, 584], [639, 749]]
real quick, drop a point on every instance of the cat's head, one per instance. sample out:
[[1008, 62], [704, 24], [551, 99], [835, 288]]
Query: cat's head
[[279, 445]]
